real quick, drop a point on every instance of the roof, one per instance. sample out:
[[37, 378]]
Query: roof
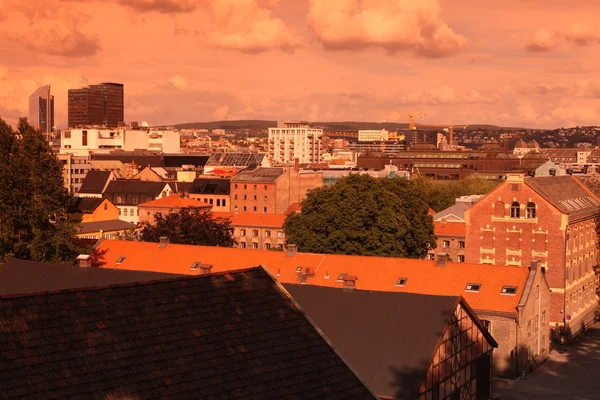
[[179, 160], [105, 226], [449, 229], [22, 276], [389, 339], [293, 208], [87, 205], [135, 186], [533, 144], [211, 186], [95, 182], [175, 201], [457, 210], [520, 144], [567, 194], [261, 175], [151, 160], [235, 159], [253, 219], [374, 273], [161, 339]]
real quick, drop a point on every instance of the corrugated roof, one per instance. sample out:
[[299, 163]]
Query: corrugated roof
[[220, 336], [375, 273]]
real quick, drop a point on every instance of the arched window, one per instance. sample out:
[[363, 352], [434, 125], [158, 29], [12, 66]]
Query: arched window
[[530, 210], [515, 210]]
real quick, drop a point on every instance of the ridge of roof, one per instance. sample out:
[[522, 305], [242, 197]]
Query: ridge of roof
[[175, 200]]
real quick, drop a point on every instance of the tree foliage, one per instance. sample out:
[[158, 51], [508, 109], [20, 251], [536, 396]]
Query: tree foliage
[[38, 216], [442, 194], [364, 216], [190, 226]]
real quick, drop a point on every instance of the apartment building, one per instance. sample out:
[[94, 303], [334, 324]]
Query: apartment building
[[75, 169], [256, 231], [295, 140]]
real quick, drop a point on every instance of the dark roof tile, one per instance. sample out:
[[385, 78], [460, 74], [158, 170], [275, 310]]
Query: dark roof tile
[[88, 205], [106, 226], [94, 182], [135, 186]]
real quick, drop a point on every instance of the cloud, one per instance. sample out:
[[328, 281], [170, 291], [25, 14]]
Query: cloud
[[582, 34], [178, 82], [221, 113], [161, 6], [542, 40], [248, 26], [474, 97], [3, 72], [395, 25], [65, 42]]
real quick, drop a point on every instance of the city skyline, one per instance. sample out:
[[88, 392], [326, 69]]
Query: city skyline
[[515, 63]]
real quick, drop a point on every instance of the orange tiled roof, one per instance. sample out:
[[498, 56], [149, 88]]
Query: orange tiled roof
[[253, 219], [449, 228], [174, 201], [431, 212], [294, 207], [374, 273]]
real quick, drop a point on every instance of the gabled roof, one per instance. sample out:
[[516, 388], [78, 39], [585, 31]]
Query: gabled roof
[[135, 186], [520, 144], [389, 339], [105, 226], [175, 201], [374, 273], [219, 336], [259, 175], [457, 210], [22, 276], [95, 182], [87, 205], [211, 186], [567, 194]]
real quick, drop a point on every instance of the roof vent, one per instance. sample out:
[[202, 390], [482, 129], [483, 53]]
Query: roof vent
[[303, 275], [84, 260], [292, 249], [201, 268], [442, 260], [349, 281], [163, 242]]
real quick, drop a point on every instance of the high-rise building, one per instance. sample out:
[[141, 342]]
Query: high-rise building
[[41, 110], [101, 104], [292, 140]]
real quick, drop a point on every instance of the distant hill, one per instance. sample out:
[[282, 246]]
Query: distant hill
[[328, 126]]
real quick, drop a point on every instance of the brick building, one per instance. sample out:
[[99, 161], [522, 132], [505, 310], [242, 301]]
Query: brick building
[[551, 219], [256, 231], [167, 205], [271, 190]]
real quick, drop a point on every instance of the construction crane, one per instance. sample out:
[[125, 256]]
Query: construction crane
[[412, 116], [449, 127]]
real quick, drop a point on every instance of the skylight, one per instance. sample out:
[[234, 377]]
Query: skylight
[[121, 259], [509, 290], [401, 281], [194, 266], [299, 269], [341, 277], [473, 287]]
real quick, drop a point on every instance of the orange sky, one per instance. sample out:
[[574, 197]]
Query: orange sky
[[532, 63]]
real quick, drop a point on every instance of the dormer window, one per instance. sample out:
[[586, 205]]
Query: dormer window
[[401, 282], [515, 210], [473, 287], [509, 290]]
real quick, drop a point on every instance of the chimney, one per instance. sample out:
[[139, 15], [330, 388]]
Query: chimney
[[84, 260], [442, 260], [292, 249], [536, 265], [349, 282], [163, 242], [304, 274]]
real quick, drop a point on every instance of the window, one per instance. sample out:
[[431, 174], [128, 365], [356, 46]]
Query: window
[[446, 244], [119, 211], [267, 233], [509, 290], [537, 292], [487, 325], [84, 141], [254, 208], [265, 209], [254, 187], [515, 210], [279, 235], [210, 201], [543, 343], [254, 245], [121, 259], [245, 187], [530, 210], [255, 232], [280, 247], [245, 208], [473, 287], [224, 202], [267, 246], [218, 202], [255, 197], [265, 187], [461, 258], [125, 211], [299, 269], [245, 197], [235, 197], [105, 206], [134, 199], [243, 245], [236, 186], [265, 198], [242, 232], [401, 281], [138, 212], [431, 256], [529, 328], [537, 322], [119, 200], [461, 244], [131, 212], [341, 277]]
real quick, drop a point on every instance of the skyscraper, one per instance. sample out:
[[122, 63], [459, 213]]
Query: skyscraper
[[41, 110], [101, 104]]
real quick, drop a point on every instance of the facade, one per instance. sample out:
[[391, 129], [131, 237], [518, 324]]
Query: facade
[[126, 195], [96, 209], [257, 231], [450, 240], [295, 140], [96, 105], [214, 191], [41, 110], [108, 229], [504, 296], [83, 141], [75, 169], [373, 135], [95, 183], [551, 219], [167, 205], [271, 190]]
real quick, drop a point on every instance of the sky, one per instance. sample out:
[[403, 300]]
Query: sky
[[525, 63]]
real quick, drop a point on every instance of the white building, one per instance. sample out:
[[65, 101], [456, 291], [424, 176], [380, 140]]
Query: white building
[[83, 141], [292, 140], [373, 135]]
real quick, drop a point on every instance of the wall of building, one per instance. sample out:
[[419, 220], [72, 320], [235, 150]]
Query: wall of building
[[259, 238], [254, 197], [106, 211], [453, 246], [219, 202], [295, 140]]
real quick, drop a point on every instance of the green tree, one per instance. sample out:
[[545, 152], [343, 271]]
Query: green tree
[[38, 216], [441, 194], [364, 216], [190, 226]]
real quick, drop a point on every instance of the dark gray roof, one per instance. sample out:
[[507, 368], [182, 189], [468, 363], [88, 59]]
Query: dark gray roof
[[135, 186], [219, 336], [211, 186], [457, 210], [22, 276], [105, 226], [94, 182], [235, 159], [387, 338], [88, 204], [179, 160], [259, 175], [566, 194], [143, 160]]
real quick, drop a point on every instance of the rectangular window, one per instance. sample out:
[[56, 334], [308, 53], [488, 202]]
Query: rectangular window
[[265, 209], [255, 233], [267, 233], [279, 246], [254, 245], [218, 202], [265, 187], [279, 235], [210, 201], [461, 244], [243, 245], [224, 202], [431, 256], [537, 322], [254, 208], [267, 246], [509, 290], [235, 197], [473, 287], [529, 328], [446, 244], [265, 198], [125, 212], [461, 258], [242, 232], [84, 141], [245, 197], [131, 212]]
